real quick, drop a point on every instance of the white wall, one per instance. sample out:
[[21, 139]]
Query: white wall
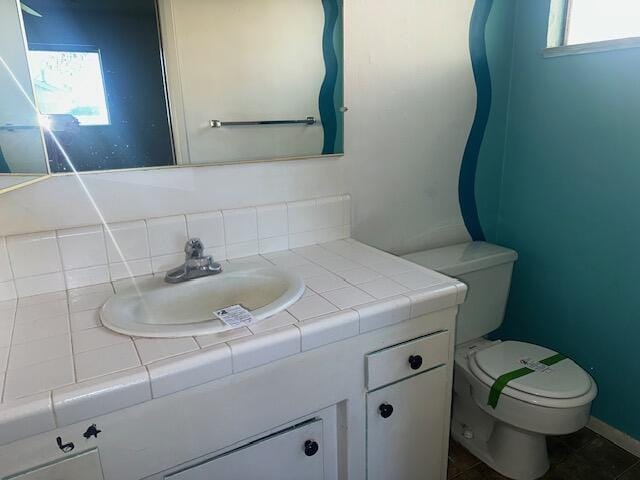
[[411, 93], [410, 90]]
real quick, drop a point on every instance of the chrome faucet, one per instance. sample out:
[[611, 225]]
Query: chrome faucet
[[195, 265]]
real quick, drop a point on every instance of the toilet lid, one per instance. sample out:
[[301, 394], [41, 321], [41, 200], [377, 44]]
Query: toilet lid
[[564, 379]]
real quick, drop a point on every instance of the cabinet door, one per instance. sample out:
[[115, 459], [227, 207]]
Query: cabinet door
[[290, 455], [405, 423], [85, 466]]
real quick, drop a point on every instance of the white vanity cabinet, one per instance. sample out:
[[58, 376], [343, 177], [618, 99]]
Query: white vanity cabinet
[[406, 405], [294, 454], [315, 415]]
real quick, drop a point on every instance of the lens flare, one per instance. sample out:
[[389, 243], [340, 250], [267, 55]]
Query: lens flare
[[45, 124]]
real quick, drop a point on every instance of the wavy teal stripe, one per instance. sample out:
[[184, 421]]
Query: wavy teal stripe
[[328, 113], [482, 75]]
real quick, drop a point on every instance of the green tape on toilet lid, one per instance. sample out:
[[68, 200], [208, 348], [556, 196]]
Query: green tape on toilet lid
[[502, 381]]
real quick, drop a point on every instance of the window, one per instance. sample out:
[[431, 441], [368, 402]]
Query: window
[[599, 20], [69, 83], [583, 26]]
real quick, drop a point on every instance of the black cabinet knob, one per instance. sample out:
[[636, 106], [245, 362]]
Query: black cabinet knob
[[311, 448], [415, 361], [385, 410]]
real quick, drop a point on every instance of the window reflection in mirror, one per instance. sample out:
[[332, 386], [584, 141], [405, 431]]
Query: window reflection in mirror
[[96, 68]]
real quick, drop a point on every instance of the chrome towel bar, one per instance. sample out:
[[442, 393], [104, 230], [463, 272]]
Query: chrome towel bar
[[220, 124]]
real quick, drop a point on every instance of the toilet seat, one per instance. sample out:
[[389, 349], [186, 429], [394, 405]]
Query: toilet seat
[[563, 385]]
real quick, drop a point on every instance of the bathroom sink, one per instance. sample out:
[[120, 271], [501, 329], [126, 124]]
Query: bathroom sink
[[158, 309]]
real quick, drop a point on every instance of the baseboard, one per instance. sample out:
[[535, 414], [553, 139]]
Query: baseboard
[[614, 435]]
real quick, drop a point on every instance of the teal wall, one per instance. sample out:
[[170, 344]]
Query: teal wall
[[569, 191]]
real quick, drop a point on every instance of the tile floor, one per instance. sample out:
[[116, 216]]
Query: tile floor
[[584, 455]]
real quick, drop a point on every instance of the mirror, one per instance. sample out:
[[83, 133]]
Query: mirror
[[22, 155], [86, 85], [258, 79]]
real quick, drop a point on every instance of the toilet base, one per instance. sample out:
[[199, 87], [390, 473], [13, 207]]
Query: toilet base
[[511, 452]]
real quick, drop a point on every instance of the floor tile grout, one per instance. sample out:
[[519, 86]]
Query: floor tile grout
[[628, 469]]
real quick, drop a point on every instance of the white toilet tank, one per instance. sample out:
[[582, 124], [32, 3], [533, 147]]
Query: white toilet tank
[[486, 270]]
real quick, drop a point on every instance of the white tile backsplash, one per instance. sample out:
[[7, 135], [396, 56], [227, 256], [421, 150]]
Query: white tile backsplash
[[208, 227], [83, 277], [303, 216], [272, 221], [44, 262], [131, 268], [34, 254], [7, 290], [167, 235], [273, 244], [131, 238], [302, 239], [329, 212], [6, 273], [82, 247], [164, 263], [240, 225], [244, 249]]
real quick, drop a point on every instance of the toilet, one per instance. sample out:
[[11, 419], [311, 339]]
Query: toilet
[[504, 419]]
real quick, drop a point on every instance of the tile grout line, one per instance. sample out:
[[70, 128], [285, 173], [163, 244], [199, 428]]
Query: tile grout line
[[11, 269], [106, 232], [6, 373], [60, 259], [73, 356]]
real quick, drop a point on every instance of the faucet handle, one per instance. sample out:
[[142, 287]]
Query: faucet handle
[[194, 248]]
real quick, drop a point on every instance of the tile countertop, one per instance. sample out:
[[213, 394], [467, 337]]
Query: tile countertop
[[59, 366]]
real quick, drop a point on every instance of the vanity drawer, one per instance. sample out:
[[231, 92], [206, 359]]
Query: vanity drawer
[[400, 361]]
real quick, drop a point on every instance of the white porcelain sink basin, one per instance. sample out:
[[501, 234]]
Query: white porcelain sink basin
[[159, 309]]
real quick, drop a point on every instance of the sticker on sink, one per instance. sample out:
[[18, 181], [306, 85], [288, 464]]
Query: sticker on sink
[[235, 316]]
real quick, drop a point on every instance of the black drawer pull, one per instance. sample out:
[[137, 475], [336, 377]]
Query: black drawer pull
[[311, 447], [415, 361], [385, 410]]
